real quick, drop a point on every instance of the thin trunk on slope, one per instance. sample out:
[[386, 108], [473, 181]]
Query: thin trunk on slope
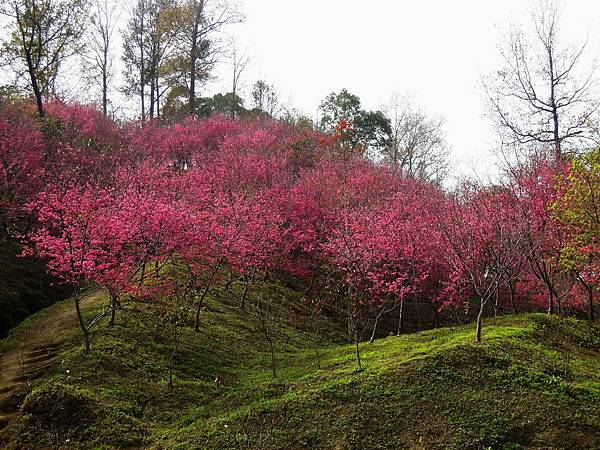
[[204, 292], [82, 325], [511, 290], [356, 342], [479, 320], [400, 318], [381, 314], [113, 307]]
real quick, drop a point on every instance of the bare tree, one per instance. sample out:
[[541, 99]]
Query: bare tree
[[265, 98], [134, 54], [199, 23], [417, 146], [162, 35], [543, 95], [148, 43], [240, 62], [99, 59], [42, 35]]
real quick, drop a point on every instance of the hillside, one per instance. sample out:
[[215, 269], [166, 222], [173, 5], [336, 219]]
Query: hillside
[[534, 382]]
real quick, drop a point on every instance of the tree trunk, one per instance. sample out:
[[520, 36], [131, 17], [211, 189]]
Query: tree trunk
[[375, 327], [590, 293], [35, 85], [193, 59], [555, 125], [143, 103], [513, 304], [232, 106], [199, 307], [105, 80], [152, 94], [192, 99], [349, 320], [84, 328], [400, 314], [4, 229], [550, 301], [142, 275], [418, 313], [142, 71], [496, 299], [157, 87], [479, 321], [381, 314], [113, 308], [310, 284], [245, 293], [206, 288], [434, 321], [357, 350]]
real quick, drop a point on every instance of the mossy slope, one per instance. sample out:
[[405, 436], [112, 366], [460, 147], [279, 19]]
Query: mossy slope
[[533, 383]]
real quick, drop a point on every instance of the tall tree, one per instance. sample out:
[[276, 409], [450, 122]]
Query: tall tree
[[366, 130], [43, 33], [99, 58], [162, 33], [199, 23], [337, 107], [543, 95], [134, 54], [148, 41], [239, 64]]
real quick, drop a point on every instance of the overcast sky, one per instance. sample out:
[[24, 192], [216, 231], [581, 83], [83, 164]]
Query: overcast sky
[[436, 50]]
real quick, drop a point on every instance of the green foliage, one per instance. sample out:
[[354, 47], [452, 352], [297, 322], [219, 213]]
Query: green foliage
[[369, 129], [228, 104], [176, 105], [337, 107], [579, 210], [373, 129]]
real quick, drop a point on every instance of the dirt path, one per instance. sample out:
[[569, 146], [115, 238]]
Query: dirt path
[[35, 352]]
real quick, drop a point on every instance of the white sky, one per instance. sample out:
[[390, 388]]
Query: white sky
[[436, 50]]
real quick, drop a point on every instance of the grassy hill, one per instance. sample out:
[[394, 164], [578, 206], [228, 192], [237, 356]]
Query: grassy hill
[[533, 383]]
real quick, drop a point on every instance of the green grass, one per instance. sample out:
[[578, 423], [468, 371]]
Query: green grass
[[534, 382]]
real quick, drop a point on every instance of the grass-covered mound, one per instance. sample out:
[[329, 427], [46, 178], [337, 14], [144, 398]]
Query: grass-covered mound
[[533, 383]]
